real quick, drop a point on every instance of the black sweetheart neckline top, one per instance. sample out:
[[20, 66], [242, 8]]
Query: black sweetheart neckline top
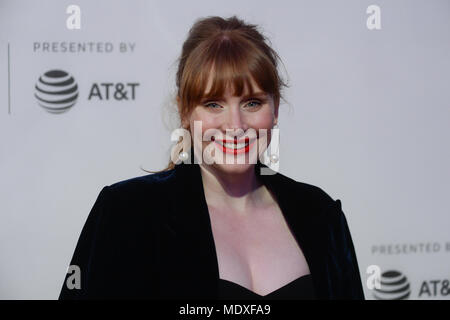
[[299, 289]]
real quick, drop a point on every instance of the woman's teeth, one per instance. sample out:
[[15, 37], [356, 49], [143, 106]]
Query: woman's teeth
[[234, 146]]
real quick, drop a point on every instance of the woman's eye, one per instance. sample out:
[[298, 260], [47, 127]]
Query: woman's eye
[[257, 103], [251, 104], [211, 105]]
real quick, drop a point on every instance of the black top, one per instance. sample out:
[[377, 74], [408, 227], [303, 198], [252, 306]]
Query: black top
[[141, 230], [299, 289]]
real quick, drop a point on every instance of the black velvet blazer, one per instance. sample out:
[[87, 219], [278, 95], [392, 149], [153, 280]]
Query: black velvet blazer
[[150, 237]]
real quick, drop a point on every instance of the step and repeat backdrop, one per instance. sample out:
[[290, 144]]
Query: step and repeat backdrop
[[86, 100]]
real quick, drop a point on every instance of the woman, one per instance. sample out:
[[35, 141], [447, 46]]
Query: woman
[[206, 227]]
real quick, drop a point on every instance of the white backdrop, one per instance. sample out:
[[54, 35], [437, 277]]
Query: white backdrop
[[368, 122]]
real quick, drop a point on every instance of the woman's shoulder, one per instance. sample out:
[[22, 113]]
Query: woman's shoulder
[[135, 197], [307, 191], [147, 184], [312, 197], [328, 210]]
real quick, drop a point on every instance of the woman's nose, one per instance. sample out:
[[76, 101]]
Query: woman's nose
[[235, 120]]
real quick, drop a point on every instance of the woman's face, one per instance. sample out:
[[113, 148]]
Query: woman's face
[[244, 117]]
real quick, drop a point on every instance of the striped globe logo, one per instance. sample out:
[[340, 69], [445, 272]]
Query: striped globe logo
[[394, 286], [56, 91]]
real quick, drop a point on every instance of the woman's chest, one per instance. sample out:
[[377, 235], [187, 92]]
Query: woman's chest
[[257, 250]]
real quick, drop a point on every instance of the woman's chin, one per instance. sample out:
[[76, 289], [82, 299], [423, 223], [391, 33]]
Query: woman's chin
[[234, 168]]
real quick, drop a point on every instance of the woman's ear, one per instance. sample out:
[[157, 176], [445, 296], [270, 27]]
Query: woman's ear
[[184, 124]]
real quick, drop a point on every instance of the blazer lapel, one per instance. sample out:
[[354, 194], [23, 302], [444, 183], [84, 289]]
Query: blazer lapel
[[303, 216], [187, 256]]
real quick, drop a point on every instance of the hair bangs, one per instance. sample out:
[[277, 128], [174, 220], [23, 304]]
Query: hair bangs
[[229, 63]]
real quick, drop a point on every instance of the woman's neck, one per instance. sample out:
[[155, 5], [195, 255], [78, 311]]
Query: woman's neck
[[239, 192]]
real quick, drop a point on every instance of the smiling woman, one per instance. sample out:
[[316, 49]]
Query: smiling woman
[[217, 229], [227, 73]]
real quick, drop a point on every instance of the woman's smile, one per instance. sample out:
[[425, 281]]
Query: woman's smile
[[243, 146]]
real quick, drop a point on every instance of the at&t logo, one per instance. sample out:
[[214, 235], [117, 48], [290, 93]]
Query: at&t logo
[[56, 91]]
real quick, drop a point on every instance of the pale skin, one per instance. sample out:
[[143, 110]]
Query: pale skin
[[254, 245]]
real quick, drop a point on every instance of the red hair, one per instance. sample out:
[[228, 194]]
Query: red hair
[[232, 52]]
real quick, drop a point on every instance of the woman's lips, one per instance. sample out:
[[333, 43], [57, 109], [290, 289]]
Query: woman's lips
[[243, 149]]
